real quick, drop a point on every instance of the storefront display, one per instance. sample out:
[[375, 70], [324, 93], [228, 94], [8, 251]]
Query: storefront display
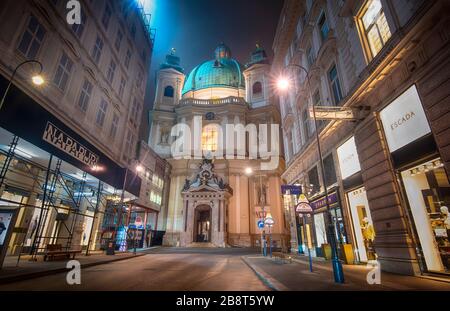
[[422, 176], [320, 220], [428, 190], [7, 220], [358, 205], [362, 223]]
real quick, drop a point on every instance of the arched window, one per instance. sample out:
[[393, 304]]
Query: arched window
[[168, 91], [257, 88], [209, 138]]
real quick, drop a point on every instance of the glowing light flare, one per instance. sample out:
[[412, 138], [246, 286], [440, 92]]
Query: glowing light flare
[[38, 80], [283, 83]]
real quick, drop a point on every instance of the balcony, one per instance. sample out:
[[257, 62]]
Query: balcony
[[218, 101]]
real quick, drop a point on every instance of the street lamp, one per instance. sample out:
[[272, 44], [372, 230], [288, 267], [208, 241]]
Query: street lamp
[[37, 79], [283, 84]]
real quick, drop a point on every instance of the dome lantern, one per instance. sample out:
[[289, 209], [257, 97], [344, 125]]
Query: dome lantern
[[222, 51]]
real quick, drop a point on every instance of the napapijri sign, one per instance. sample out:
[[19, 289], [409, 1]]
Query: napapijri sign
[[64, 142]]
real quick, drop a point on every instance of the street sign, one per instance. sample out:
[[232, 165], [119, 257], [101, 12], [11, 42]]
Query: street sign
[[291, 189], [261, 224], [269, 220], [303, 205]]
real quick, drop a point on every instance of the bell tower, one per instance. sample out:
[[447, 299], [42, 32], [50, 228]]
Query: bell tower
[[257, 78], [169, 84], [170, 80]]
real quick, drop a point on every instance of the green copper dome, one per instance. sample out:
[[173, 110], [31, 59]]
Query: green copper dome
[[223, 71]]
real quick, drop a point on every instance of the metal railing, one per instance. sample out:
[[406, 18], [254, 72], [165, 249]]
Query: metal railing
[[219, 101]]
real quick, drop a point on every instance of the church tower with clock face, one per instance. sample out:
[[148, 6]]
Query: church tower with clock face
[[217, 192]]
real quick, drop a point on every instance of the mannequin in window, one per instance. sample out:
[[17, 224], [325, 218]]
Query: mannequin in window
[[369, 236], [445, 217]]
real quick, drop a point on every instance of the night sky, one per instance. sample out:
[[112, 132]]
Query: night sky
[[195, 27]]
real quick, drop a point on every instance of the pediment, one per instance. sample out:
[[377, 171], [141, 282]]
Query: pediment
[[206, 180]]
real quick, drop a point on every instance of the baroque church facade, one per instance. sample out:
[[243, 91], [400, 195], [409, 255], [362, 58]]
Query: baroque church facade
[[216, 200]]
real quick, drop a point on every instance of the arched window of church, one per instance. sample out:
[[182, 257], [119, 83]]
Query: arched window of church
[[168, 91], [209, 138], [257, 89]]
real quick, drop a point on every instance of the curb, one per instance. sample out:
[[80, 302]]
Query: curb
[[270, 282], [38, 274]]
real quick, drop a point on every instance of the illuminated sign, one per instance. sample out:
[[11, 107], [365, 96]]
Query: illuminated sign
[[64, 142], [332, 199], [404, 120], [303, 205], [348, 158], [291, 189]]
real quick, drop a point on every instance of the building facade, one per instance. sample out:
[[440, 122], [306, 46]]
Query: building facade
[[216, 196], [69, 146], [387, 171]]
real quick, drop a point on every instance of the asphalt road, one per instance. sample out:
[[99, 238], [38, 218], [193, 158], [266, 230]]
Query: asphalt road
[[163, 270]]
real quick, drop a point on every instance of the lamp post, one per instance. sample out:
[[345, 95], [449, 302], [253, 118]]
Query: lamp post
[[283, 84], [36, 79]]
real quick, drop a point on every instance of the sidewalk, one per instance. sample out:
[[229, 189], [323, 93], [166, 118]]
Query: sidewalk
[[296, 276], [32, 269]]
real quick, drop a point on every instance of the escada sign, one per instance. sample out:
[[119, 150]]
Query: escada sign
[[408, 116], [404, 120], [64, 142]]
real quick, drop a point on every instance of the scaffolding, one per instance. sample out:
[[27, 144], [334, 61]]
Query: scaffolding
[[146, 19], [51, 195]]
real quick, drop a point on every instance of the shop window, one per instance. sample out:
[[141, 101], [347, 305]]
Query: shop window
[[168, 91], [321, 231], [257, 89], [32, 38], [428, 191], [374, 26], [209, 138], [330, 173], [363, 224]]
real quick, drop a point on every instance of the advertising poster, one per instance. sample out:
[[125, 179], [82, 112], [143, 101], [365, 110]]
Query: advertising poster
[[5, 221]]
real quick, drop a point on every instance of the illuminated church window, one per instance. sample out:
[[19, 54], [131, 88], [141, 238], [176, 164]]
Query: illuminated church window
[[209, 138]]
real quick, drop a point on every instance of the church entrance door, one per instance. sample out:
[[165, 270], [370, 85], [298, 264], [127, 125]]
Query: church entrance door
[[202, 229]]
